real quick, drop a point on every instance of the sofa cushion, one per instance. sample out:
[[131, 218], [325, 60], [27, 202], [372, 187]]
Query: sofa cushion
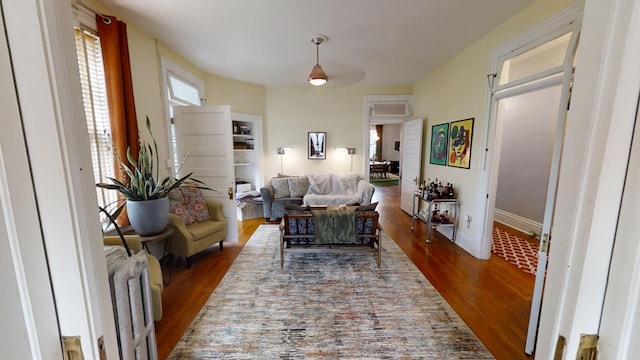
[[344, 183], [331, 199], [189, 205], [280, 188], [201, 230], [298, 186]]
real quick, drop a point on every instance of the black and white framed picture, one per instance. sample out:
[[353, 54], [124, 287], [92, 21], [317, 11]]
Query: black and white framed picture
[[317, 142]]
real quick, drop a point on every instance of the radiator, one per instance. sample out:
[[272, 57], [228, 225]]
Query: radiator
[[131, 299]]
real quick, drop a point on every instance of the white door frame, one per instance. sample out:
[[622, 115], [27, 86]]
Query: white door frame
[[555, 26], [368, 121], [29, 326], [599, 133], [41, 39]]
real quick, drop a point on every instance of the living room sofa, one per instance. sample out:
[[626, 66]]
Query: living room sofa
[[314, 189]]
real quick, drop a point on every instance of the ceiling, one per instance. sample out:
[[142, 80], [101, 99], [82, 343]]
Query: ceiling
[[266, 42]]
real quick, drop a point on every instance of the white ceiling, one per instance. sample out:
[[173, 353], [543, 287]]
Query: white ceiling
[[371, 42]]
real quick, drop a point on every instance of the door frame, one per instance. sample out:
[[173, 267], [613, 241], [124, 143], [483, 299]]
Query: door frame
[[368, 121], [41, 39], [600, 130], [555, 26]]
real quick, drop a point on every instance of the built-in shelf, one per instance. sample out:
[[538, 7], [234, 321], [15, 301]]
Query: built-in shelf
[[247, 152]]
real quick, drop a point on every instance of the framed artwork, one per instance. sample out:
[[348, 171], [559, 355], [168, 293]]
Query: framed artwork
[[460, 135], [317, 145], [439, 142]]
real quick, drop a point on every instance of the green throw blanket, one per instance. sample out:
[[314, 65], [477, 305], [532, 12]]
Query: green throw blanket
[[334, 226]]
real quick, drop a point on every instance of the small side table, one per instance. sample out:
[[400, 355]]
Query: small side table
[[165, 235], [430, 224]]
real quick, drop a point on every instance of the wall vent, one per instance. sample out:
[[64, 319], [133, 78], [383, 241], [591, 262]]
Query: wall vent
[[390, 109]]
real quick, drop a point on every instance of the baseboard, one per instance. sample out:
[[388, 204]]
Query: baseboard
[[517, 222]]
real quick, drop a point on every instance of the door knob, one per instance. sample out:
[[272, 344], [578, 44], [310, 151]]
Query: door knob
[[230, 192]]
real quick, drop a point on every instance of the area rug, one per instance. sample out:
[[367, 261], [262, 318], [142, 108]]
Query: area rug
[[515, 250], [384, 182], [325, 306]]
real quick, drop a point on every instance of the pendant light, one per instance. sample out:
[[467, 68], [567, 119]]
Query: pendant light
[[317, 76]]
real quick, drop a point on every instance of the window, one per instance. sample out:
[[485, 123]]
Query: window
[[94, 95], [181, 89]]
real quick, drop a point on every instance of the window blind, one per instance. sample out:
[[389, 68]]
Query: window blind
[[94, 96]]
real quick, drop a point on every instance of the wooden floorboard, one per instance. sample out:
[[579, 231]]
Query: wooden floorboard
[[492, 296]]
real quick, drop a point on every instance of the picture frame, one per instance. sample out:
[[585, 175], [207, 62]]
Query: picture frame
[[317, 145], [460, 137], [439, 144]]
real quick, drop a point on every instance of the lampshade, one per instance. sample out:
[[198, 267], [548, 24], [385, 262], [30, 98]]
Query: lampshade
[[317, 76]]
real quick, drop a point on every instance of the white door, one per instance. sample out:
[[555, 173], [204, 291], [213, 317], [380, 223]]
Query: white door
[[411, 162], [29, 324], [203, 134], [554, 173]]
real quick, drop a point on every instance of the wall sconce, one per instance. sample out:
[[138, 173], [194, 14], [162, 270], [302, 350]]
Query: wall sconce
[[281, 152], [351, 151]]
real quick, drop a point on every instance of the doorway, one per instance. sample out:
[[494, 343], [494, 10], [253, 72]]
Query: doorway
[[384, 150], [529, 88]]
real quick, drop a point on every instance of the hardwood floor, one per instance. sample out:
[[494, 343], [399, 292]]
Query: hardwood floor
[[491, 296]]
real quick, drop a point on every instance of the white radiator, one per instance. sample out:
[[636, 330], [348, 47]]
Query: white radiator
[[131, 299]]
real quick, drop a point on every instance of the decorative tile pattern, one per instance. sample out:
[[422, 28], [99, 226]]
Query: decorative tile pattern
[[325, 306], [515, 250]]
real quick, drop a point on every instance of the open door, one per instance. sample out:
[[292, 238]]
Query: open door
[[29, 323], [522, 71], [204, 138], [411, 162]]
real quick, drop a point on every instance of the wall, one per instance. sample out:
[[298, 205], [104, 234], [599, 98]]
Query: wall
[[456, 90], [145, 52], [294, 111], [528, 124], [390, 134]]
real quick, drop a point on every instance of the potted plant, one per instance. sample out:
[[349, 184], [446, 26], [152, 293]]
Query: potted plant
[[147, 197]]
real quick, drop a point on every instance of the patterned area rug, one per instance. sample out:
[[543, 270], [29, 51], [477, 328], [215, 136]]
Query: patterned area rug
[[325, 306], [515, 250]]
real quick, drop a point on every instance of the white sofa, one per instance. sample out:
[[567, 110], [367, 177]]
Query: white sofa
[[338, 189], [314, 189]]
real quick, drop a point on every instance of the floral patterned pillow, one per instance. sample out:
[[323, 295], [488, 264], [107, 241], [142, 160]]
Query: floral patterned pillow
[[190, 205]]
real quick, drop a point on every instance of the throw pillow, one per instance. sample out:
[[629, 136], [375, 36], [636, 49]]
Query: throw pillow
[[370, 207], [298, 186], [280, 188], [190, 205]]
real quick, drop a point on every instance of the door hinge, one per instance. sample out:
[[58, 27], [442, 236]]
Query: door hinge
[[544, 245], [101, 349], [588, 347], [71, 348], [562, 341]]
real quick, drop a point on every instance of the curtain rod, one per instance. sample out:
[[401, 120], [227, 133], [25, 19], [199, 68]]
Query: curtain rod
[[106, 19]]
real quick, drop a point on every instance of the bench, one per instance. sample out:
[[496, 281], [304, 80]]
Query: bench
[[299, 232]]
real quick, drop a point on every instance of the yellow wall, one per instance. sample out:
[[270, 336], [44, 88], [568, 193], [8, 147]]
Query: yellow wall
[[295, 111], [145, 52], [457, 90]]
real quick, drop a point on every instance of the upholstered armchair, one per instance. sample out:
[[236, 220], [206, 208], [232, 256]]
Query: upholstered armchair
[[155, 272], [199, 223]]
